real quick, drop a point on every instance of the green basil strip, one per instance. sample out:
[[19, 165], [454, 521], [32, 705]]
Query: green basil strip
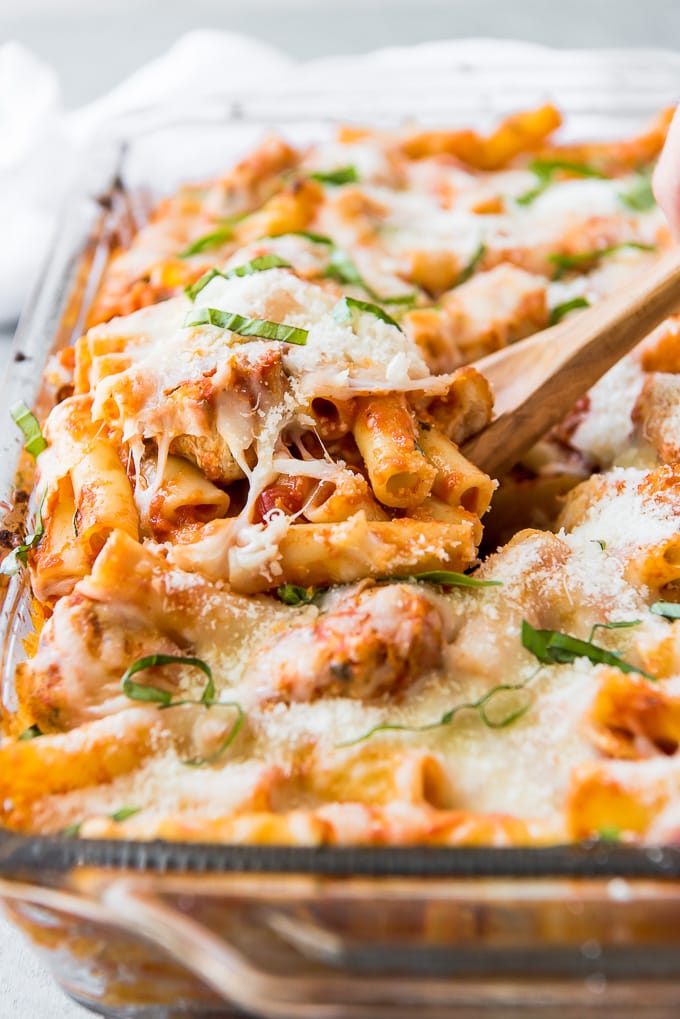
[[28, 423], [625, 625], [207, 242], [154, 694], [551, 647], [247, 326], [292, 594], [480, 706], [18, 557], [255, 265], [342, 268], [72, 830], [314, 238], [560, 310], [446, 578], [549, 167], [533, 193], [216, 237], [343, 175], [600, 542], [609, 834], [405, 300], [545, 170], [31, 733], [342, 312], [667, 609], [470, 268], [340, 265], [639, 197], [197, 762], [259, 264], [577, 261], [124, 813]]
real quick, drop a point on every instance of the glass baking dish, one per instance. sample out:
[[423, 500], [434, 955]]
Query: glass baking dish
[[151, 930]]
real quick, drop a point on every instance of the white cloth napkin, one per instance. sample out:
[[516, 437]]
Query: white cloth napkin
[[42, 146], [40, 142]]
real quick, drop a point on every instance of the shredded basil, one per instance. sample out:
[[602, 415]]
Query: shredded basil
[[625, 625], [545, 170], [117, 816], [197, 762], [343, 175], [208, 241], [156, 695], [480, 706], [541, 167], [639, 197], [247, 326], [341, 268], [340, 265], [163, 698], [447, 578], [404, 300], [215, 238], [551, 647], [533, 193], [314, 238], [600, 542], [292, 594], [31, 733], [564, 263], [18, 557], [607, 834], [560, 310], [667, 609], [28, 423], [470, 268], [342, 312], [259, 264], [124, 813]]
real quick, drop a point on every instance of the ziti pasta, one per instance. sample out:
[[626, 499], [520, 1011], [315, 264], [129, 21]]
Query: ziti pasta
[[278, 604]]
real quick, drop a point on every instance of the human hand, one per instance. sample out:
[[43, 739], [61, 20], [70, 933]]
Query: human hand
[[666, 180]]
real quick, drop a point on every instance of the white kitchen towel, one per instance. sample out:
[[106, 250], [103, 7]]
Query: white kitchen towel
[[42, 146], [41, 143]]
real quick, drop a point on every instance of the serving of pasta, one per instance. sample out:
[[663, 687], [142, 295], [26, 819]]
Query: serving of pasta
[[273, 601]]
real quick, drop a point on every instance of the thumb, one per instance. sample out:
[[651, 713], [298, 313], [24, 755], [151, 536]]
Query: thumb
[[666, 180]]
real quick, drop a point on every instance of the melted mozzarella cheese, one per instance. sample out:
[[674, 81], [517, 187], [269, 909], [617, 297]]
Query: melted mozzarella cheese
[[607, 425], [570, 581]]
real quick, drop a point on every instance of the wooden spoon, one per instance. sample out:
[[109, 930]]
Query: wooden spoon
[[538, 380]]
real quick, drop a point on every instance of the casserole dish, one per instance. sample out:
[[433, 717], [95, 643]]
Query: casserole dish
[[159, 929]]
